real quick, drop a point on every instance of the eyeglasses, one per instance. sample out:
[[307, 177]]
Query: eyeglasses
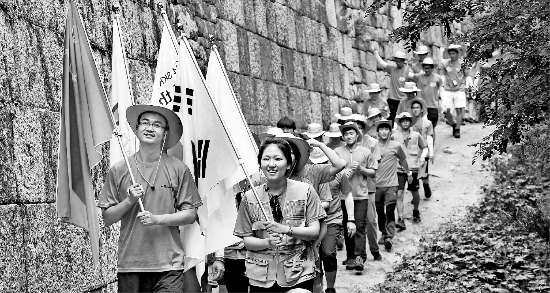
[[155, 125], [276, 208]]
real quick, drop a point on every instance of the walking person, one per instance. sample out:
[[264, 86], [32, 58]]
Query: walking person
[[360, 164], [430, 84], [373, 117], [416, 150], [421, 54], [422, 125], [375, 101], [411, 91], [456, 81], [399, 73], [391, 154], [150, 251], [334, 135], [278, 257]]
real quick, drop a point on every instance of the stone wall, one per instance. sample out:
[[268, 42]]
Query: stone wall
[[304, 59]]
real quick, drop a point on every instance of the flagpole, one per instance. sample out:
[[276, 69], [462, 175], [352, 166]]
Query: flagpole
[[239, 158], [168, 25], [113, 122]]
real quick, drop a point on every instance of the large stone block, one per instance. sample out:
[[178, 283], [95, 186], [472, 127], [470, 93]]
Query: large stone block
[[357, 75], [315, 114], [249, 15], [297, 107], [247, 94], [284, 97], [311, 28], [308, 72], [334, 107], [328, 75], [348, 55], [13, 275], [277, 26], [347, 79], [29, 161], [230, 45], [142, 29], [276, 61], [247, 55], [330, 47], [141, 79], [370, 77], [299, 73], [301, 36], [321, 12], [356, 54], [288, 65], [331, 13], [265, 58], [8, 183], [272, 112], [289, 26], [261, 102], [370, 61], [49, 121], [318, 74], [235, 81], [58, 255], [337, 73], [261, 17], [232, 10]]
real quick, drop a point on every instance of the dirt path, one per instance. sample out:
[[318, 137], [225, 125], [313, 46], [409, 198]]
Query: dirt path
[[455, 184]]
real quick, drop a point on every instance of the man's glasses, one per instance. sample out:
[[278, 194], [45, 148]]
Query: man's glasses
[[276, 208], [155, 125]]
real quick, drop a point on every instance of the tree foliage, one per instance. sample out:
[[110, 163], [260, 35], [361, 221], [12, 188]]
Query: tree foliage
[[515, 91]]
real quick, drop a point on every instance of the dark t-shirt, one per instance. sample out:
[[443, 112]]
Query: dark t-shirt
[[150, 248]]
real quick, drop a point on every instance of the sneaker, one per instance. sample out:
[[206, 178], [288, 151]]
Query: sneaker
[[376, 256], [350, 264], [401, 224], [330, 290], [416, 216], [427, 191], [456, 132], [359, 261], [388, 244]]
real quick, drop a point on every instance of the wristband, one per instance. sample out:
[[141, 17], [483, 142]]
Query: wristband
[[351, 221]]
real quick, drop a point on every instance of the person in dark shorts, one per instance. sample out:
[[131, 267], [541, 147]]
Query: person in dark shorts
[[150, 251], [416, 149]]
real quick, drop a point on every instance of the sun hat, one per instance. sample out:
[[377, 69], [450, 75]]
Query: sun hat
[[345, 114], [403, 115], [175, 128], [400, 55], [373, 112], [333, 130], [374, 88], [383, 122], [317, 156], [314, 130], [360, 119], [456, 47], [428, 61], [409, 87], [299, 145], [422, 50], [349, 125]]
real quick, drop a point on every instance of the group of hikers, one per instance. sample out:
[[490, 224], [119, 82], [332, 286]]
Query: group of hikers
[[316, 188]]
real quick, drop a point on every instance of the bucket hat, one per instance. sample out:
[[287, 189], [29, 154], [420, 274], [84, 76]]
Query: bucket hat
[[175, 128], [374, 88], [400, 55], [314, 130], [373, 112], [345, 114], [409, 87], [422, 50], [333, 130]]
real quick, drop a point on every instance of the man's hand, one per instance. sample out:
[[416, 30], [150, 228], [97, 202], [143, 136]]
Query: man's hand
[[274, 240], [354, 165], [274, 227], [148, 219], [348, 172], [351, 229], [218, 269], [135, 191], [314, 143]]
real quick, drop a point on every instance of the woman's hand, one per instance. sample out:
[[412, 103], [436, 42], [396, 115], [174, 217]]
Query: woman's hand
[[274, 240], [274, 227]]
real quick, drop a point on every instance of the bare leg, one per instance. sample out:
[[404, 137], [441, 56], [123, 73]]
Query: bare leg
[[400, 203]]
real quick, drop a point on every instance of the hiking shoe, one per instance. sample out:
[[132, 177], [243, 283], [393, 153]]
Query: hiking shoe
[[376, 256], [401, 224], [416, 216], [388, 244], [427, 191], [382, 239], [330, 290], [359, 261], [456, 132], [350, 264]]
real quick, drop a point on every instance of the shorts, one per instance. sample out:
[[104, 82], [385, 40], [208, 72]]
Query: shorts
[[386, 196], [328, 247], [433, 115], [402, 178], [454, 100], [170, 281], [307, 285]]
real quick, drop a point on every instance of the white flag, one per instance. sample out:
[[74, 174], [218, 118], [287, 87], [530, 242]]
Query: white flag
[[164, 94], [222, 220], [121, 98]]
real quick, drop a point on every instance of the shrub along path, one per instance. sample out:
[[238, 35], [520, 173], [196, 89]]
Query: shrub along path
[[456, 185]]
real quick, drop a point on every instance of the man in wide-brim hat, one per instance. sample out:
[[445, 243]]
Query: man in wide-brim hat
[[375, 101], [421, 53], [150, 248], [399, 73], [334, 135], [411, 91], [360, 164], [344, 115], [430, 84]]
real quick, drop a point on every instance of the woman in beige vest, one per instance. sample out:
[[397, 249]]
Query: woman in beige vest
[[279, 251]]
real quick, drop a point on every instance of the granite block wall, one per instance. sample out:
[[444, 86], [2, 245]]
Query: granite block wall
[[300, 58]]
